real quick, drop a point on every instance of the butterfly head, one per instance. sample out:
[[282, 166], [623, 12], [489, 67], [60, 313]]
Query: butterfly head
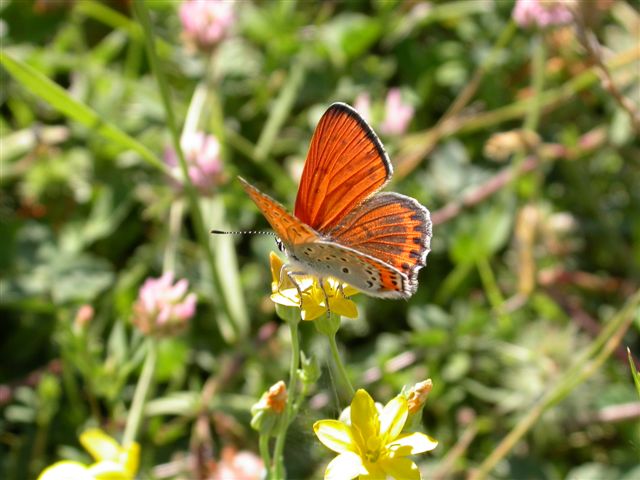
[[280, 245]]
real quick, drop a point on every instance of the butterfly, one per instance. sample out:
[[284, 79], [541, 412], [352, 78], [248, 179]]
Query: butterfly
[[343, 226]]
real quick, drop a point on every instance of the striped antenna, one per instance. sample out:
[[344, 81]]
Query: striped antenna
[[243, 232]]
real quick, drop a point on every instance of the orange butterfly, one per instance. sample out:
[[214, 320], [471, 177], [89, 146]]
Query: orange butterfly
[[344, 228]]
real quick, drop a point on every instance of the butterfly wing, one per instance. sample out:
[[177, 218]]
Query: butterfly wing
[[391, 227], [370, 275], [288, 228], [346, 164]]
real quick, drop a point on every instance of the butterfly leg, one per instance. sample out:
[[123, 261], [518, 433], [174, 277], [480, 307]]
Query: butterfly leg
[[326, 297], [291, 275]]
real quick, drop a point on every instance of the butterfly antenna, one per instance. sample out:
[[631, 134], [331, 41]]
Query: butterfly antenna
[[243, 232]]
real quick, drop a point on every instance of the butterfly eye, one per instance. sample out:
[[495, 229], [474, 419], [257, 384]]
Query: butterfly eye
[[280, 245]]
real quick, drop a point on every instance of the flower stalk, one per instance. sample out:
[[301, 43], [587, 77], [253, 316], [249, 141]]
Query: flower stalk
[[136, 412], [277, 465], [340, 369]]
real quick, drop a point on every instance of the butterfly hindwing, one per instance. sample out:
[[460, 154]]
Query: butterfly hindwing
[[374, 277], [388, 226], [346, 163]]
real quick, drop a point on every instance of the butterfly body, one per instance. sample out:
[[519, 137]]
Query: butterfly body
[[342, 226]]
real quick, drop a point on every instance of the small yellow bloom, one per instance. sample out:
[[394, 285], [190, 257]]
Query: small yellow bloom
[[313, 302], [372, 446], [113, 462]]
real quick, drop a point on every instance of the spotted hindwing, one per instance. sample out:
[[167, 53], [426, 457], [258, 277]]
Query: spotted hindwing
[[364, 272]]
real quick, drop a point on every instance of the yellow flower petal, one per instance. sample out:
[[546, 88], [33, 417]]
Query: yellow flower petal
[[343, 307], [411, 444], [345, 466], [315, 296], [311, 308], [393, 417], [349, 291], [287, 298], [374, 472], [109, 470], [335, 435], [400, 468], [100, 445], [66, 470], [276, 266], [131, 459], [364, 416]]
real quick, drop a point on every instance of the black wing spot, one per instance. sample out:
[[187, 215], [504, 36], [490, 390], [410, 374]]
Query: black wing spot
[[345, 270], [414, 254], [369, 283], [405, 266]]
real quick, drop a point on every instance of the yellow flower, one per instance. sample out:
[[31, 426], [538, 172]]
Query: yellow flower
[[113, 462], [372, 446], [313, 303]]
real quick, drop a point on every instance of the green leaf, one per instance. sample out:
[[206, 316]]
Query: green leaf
[[79, 278], [634, 372], [62, 101]]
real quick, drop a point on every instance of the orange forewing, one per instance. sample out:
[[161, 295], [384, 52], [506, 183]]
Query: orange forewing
[[288, 228], [346, 163]]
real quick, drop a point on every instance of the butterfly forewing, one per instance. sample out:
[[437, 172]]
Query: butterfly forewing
[[346, 163], [290, 229]]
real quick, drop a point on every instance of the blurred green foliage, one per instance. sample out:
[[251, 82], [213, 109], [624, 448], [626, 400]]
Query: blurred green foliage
[[522, 277]]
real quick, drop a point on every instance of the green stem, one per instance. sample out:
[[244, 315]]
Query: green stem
[[532, 117], [342, 372], [490, 286], [279, 111], [227, 322], [277, 467], [537, 84], [136, 411], [175, 222], [264, 448]]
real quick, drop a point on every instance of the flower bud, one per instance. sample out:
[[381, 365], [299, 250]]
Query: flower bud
[[271, 404], [83, 316], [416, 398], [504, 144], [417, 395]]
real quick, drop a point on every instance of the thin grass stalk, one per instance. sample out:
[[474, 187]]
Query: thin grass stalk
[[227, 322]]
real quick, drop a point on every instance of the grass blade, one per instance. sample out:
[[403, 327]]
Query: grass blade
[[61, 100]]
